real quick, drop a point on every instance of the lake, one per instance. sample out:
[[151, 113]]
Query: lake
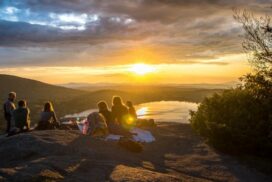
[[162, 111]]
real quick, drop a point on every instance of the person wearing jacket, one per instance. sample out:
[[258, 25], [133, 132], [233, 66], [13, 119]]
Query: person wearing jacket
[[8, 108], [21, 116]]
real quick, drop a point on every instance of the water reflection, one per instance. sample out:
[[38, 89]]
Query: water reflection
[[166, 111], [141, 112], [162, 111]]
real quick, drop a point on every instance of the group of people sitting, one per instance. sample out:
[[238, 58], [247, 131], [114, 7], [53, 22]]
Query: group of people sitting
[[118, 120], [18, 118]]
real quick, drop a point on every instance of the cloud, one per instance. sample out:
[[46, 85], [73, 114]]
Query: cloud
[[220, 63], [100, 30]]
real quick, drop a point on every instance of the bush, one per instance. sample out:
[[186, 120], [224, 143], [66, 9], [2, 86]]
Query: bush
[[235, 121], [240, 120]]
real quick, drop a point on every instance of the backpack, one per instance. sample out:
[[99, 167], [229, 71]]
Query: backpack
[[130, 145]]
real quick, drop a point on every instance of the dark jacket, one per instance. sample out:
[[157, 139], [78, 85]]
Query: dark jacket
[[119, 113], [114, 127], [22, 117], [9, 107], [108, 117]]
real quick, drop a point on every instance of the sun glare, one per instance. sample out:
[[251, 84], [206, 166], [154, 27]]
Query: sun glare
[[141, 69], [142, 111]]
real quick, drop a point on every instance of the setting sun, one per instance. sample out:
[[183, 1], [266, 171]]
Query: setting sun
[[141, 69]]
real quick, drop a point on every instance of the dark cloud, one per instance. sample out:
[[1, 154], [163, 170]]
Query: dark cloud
[[185, 29]]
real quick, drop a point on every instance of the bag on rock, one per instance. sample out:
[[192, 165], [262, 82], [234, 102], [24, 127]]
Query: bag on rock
[[130, 145]]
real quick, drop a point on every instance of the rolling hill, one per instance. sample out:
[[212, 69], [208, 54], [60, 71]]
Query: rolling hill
[[34, 90], [67, 100], [36, 93]]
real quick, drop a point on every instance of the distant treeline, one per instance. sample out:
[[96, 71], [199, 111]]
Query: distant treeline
[[68, 101]]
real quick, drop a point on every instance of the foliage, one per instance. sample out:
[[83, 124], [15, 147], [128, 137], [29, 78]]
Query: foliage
[[235, 121], [257, 39], [240, 120]]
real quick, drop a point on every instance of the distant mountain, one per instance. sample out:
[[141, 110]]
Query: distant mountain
[[34, 90], [37, 93], [99, 86], [65, 100], [75, 85], [69, 101], [226, 85], [91, 86]]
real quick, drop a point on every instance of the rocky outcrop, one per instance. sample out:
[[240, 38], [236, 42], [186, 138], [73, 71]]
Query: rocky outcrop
[[59, 155]]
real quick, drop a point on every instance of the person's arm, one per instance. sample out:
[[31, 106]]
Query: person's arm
[[10, 107], [114, 116], [110, 118], [28, 119], [126, 111], [135, 113], [55, 120]]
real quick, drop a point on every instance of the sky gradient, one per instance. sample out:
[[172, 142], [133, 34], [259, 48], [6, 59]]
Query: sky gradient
[[95, 41]]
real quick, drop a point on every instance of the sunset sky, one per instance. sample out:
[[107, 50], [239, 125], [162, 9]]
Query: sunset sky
[[124, 41]]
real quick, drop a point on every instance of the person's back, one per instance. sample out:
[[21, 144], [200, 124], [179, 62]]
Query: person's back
[[104, 110], [131, 110], [119, 111], [21, 116], [108, 116], [48, 116], [8, 107], [113, 126], [97, 124], [48, 119]]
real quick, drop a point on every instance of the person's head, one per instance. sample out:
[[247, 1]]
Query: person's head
[[117, 100], [102, 106], [22, 103], [48, 107], [12, 96], [129, 104]]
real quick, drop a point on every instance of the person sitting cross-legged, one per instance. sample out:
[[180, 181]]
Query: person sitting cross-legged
[[21, 116], [48, 118], [113, 126], [119, 112]]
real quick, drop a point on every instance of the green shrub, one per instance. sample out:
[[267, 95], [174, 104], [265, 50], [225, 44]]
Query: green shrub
[[240, 120], [235, 121]]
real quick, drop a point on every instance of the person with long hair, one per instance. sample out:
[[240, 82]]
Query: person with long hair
[[104, 110], [113, 126], [119, 111], [48, 119]]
